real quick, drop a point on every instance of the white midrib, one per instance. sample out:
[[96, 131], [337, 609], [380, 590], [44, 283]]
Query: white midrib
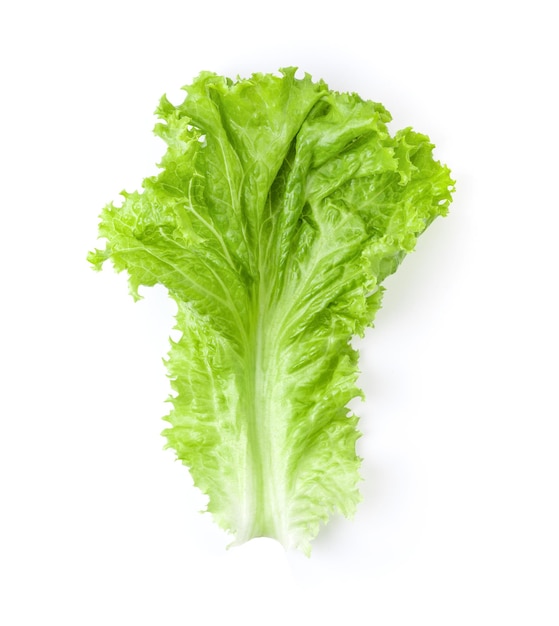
[[266, 482]]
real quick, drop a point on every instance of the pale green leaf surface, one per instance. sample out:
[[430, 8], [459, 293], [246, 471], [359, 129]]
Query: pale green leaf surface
[[280, 208]]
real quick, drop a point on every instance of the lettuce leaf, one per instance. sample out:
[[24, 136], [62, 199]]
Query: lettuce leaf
[[280, 208]]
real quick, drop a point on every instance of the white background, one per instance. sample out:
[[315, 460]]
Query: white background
[[459, 521]]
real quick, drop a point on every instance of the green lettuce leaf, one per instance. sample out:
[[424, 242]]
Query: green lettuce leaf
[[280, 208]]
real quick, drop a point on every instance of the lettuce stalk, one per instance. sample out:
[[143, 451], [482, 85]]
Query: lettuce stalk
[[279, 209]]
